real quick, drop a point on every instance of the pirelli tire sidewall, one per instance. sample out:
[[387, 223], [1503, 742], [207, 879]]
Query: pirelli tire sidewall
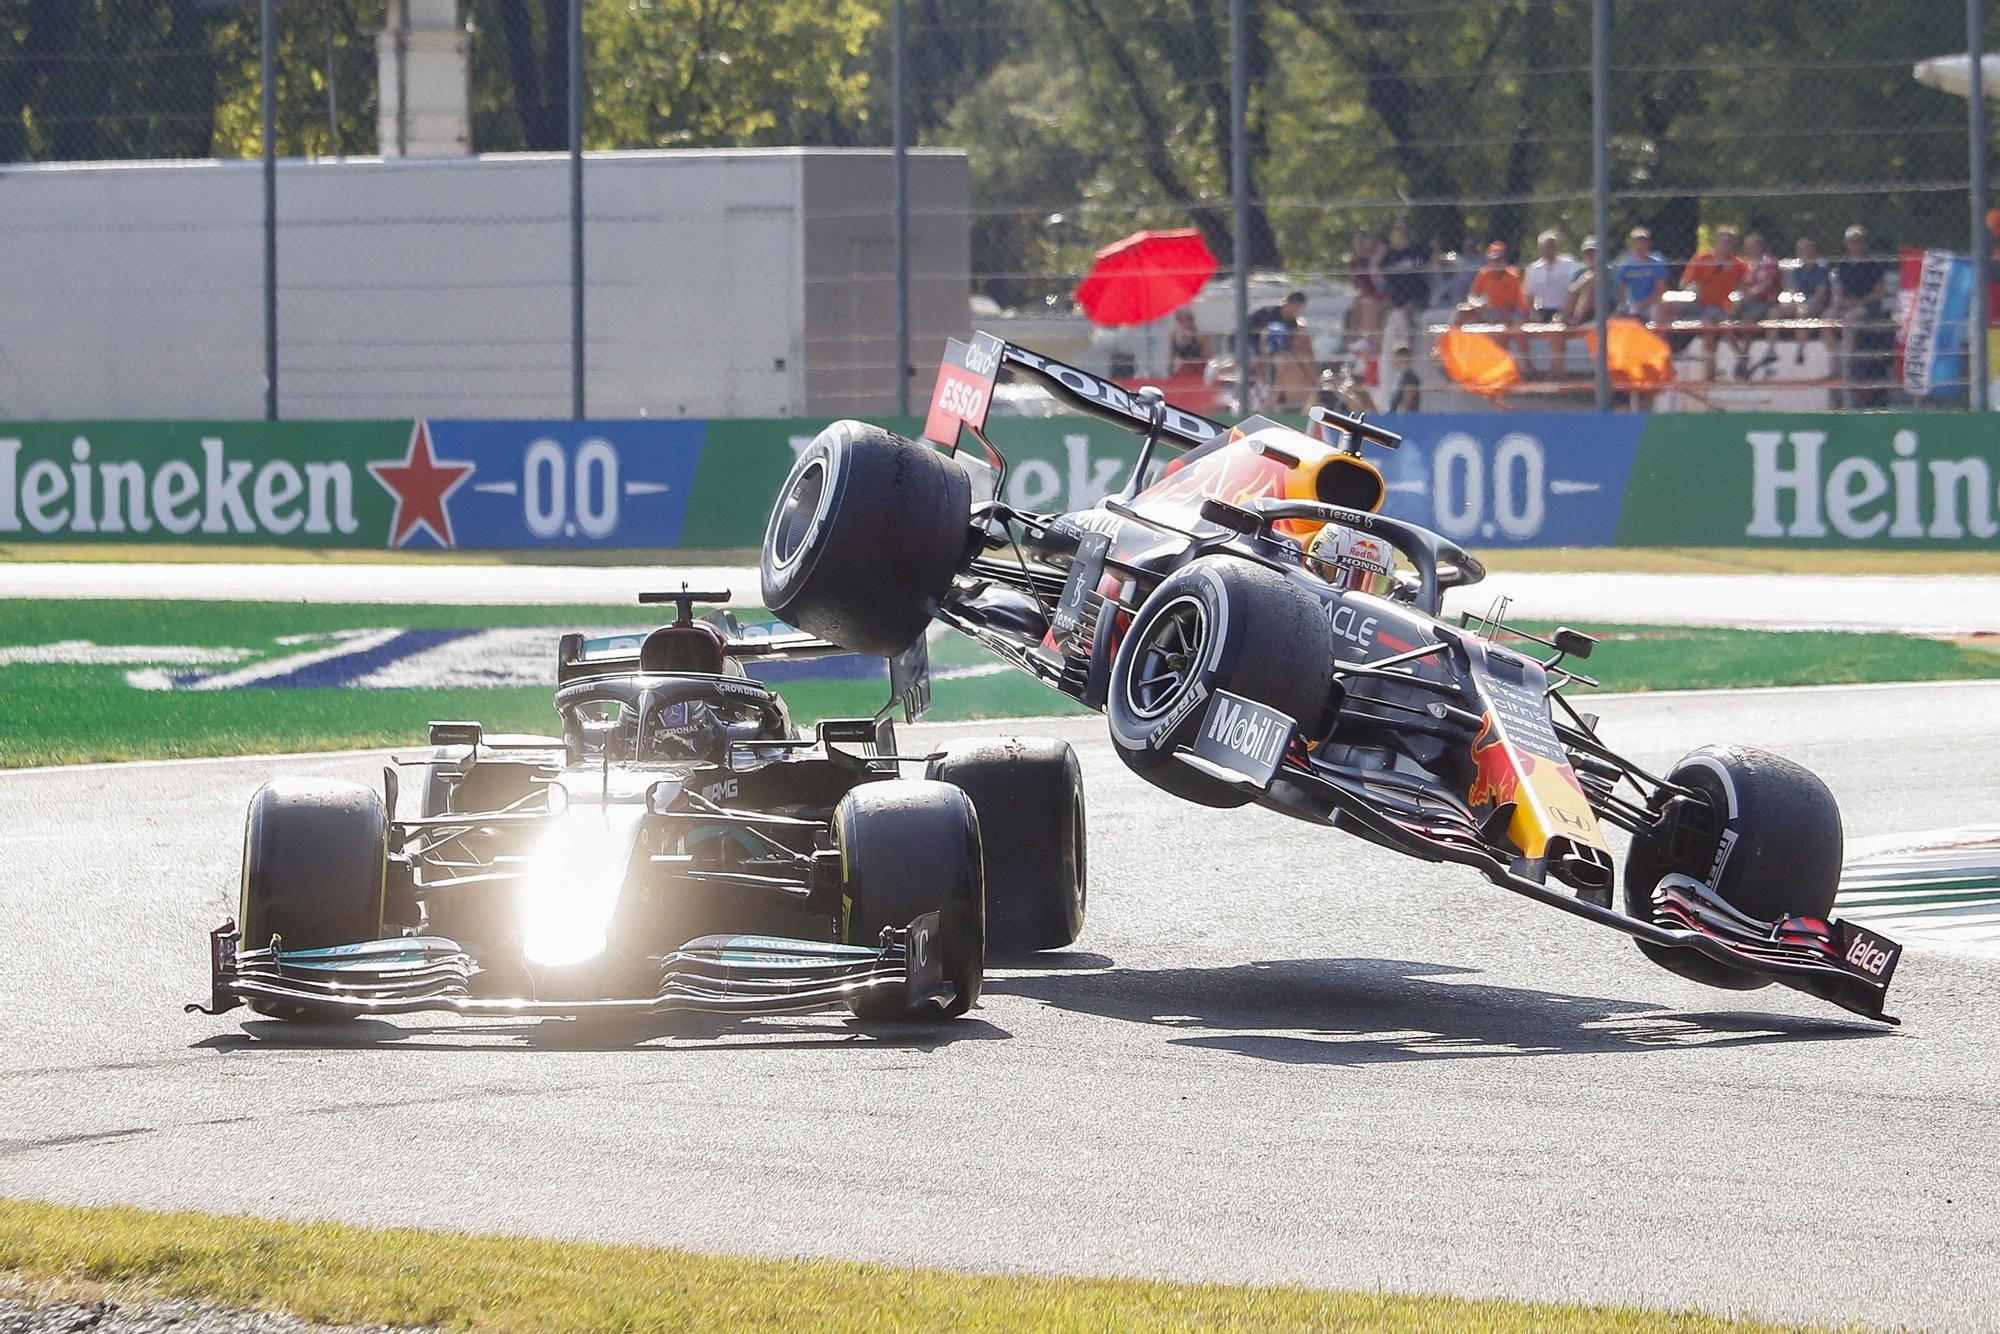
[[867, 533], [1785, 851], [1265, 639]]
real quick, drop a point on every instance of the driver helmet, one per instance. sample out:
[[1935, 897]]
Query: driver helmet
[[1350, 559], [688, 729]]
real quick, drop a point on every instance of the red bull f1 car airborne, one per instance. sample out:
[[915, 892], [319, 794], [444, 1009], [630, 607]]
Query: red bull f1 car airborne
[[1254, 629]]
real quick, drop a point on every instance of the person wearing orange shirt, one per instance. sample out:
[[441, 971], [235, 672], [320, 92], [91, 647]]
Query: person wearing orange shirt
[[1715, 276], [1497, 296]]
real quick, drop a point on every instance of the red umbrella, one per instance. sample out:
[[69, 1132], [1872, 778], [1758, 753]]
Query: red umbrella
[[1145, 276]]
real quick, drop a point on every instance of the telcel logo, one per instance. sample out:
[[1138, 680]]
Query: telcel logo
[[1869, 957]]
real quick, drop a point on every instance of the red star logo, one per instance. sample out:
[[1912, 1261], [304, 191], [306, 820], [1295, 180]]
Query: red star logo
[[421, 484]]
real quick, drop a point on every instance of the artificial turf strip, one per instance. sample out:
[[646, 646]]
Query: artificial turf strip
[[335, 1273], [57, 714]]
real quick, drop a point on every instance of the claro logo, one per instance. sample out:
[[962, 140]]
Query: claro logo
[[211, 494], [1794, 493]]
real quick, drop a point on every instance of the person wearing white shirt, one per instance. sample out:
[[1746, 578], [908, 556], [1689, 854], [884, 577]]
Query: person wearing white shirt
[[1546, 284]]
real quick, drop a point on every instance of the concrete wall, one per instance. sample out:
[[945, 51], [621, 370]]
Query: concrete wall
[[850, 275], [754, 283]]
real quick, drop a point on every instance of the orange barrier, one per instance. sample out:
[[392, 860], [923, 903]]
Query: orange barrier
[[1477, 362], [1640, 359]]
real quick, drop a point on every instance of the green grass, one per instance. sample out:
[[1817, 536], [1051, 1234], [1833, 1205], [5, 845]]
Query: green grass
[[195, 553], [53, 713], [333, 1273], [1642, 560], [63, 714]]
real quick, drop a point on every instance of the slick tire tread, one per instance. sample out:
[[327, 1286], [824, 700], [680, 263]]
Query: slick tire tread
[[867, 534], [1786, 857], [908, 847], [1028, 795], [315, 864]]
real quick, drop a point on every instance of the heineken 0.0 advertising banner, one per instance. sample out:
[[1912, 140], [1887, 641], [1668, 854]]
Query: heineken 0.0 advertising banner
[[1814, 480], [1486, 480], [434, 483]]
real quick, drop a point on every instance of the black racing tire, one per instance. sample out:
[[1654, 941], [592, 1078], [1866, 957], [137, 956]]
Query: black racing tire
[[1783, 854], [1028, 794], [315, 866], [1218, 623], [909, 847], [867, 534]]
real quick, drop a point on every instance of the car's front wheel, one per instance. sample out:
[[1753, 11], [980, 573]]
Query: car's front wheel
[[1763, 833], [1218, 623], [910, 847], [315, 865]]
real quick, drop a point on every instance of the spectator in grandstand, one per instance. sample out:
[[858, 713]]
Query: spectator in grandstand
[[1580, 305], [1859, 285], [1408, 395], [1343, 388], [1714, 276], [1756, 299], [1496, 295], [1284, 352], [1547, 283], [1456, 269], [1187, 349], [1814, 285], [1365, 314], [1406, 280], [1641, 278]]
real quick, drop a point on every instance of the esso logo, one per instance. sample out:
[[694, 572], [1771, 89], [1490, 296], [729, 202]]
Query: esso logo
[[961, 400]]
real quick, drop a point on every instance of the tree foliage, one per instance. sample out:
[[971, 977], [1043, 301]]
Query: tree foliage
[[1086, 119]]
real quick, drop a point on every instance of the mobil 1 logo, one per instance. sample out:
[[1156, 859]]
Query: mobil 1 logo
[[1244, 737]]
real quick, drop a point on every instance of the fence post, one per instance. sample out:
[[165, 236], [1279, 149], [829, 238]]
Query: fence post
[[1239, 193], [899, 190], [1982, 242], [576, 387], [1600, 190], [267, 62]]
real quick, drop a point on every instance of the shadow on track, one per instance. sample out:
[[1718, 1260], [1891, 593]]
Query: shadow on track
[[578, 1035], [1381, 1011]]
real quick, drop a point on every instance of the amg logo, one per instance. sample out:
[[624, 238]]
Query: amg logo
[[1251, 733], [1869, 957]]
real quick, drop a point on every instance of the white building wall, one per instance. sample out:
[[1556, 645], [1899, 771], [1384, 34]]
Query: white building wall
[[442, 286]]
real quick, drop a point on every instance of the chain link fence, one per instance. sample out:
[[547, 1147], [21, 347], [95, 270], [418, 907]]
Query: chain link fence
[[1416, 224]]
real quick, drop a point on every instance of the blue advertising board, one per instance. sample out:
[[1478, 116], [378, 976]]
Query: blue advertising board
[[566, 483], [1506, 480]]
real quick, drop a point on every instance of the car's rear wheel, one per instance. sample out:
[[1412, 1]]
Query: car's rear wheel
[[1028, 793], [315, 863], [1216, 624], [910, 847], [864, 541], [1765, 836]]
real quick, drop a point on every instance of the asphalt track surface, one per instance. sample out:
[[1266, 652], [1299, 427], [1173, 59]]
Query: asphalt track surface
[[1908, 604], [1277, 1055]]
